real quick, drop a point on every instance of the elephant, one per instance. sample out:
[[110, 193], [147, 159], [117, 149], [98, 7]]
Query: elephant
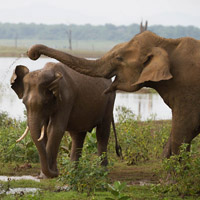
[[59, 99], [170, 66]]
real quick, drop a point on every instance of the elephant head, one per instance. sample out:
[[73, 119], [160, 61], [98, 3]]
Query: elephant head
[[133, 63], [39, 91]]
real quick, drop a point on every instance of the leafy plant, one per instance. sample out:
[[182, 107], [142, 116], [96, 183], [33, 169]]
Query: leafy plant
[[10, 130], [140, 141], [181, 173], [85, 176], [116, 190], [90, 145]]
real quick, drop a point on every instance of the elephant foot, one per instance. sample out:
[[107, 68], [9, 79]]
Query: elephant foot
[[42, 176]]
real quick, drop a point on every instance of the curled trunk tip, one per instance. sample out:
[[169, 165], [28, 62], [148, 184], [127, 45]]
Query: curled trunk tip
[[34, 52]]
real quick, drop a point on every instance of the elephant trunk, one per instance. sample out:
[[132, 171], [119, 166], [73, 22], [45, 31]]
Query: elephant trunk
[[97, 68], [35, 129]]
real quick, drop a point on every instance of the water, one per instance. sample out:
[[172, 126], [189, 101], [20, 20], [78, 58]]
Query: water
[[18, 190], [143, 105], [16, 178], [21, 191]]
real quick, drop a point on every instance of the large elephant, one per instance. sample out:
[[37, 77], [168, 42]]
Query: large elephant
[[59, 99], [170, 66]]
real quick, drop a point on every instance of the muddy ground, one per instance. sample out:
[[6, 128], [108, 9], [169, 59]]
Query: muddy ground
[[141, 174]]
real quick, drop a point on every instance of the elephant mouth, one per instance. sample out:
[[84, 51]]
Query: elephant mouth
[[113, 85], [111, 74]]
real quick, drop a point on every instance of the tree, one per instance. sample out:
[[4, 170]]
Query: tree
[[69, 33]]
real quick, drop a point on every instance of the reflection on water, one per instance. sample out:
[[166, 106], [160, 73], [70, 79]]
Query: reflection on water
[[143, 105]]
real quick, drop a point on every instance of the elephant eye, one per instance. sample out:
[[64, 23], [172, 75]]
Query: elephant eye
[[48, 94], [119, 58], [148, 60]]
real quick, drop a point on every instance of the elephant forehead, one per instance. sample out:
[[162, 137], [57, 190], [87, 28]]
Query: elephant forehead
[[32, 98], [31, 78]]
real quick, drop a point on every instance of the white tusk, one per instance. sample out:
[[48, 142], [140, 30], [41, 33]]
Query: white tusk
[[24, 134], [42, 134]]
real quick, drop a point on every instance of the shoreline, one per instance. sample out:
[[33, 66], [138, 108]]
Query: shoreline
[[6, 51]]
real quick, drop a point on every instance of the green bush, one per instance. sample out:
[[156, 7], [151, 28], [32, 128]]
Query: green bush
[[85, 176], [181, 174], [90, 144], [10, 131], [117, 190], [140, 141]]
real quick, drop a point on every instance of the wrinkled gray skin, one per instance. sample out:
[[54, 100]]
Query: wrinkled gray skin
[[170, 66], [63, 100]]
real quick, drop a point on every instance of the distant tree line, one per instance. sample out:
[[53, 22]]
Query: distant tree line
[[89, 32]]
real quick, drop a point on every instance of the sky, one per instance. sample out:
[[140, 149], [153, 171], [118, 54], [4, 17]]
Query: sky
[[100, 12]]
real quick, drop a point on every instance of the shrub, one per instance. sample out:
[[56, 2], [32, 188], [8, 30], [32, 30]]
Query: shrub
[[85, 176], [90, 144], [10, 130], [140, 141], [117, 191], [181, 174]]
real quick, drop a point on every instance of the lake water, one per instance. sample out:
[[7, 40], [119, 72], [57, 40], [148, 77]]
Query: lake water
[[144, 105]]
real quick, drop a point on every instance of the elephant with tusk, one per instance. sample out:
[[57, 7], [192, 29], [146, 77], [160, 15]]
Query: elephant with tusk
[[170, 66], [59, 99]]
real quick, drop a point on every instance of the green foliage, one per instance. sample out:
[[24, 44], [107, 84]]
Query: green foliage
[[90, 145], [116, 190], [107, 32], [140, 141], [10, 130], [85, 176], [181, 174]]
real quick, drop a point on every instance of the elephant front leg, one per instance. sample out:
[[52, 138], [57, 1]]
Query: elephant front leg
[[54, 138], [77, 144]]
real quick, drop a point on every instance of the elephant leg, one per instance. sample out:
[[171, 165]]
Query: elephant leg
[[185, 126], [77, 144], [103, 133], [54, 138], [55, 131]]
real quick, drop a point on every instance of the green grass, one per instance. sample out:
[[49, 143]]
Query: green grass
[[142, 140], [50, 191]]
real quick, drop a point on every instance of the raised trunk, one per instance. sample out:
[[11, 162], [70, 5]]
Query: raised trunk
[[97, 68], [35, 129]]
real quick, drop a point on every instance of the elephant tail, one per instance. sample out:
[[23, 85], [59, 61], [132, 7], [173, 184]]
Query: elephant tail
[[118, 148]]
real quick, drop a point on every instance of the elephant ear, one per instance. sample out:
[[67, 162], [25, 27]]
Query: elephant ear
[[17, 80], [54, 85], [157, 67]]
